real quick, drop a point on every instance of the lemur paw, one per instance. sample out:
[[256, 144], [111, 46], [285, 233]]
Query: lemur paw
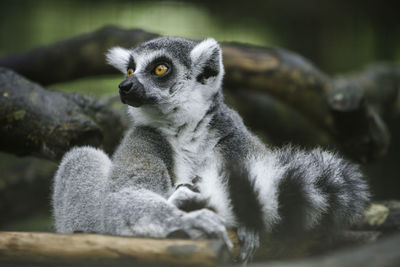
[[201, 224], [249, 241], [187, 198]]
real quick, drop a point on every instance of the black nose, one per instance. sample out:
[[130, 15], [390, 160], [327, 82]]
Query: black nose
[[125, 86]]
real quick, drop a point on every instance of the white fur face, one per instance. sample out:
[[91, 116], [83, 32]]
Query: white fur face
[[194, 75]]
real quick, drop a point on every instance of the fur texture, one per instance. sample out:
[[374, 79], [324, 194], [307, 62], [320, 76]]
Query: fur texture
[[189, 167]]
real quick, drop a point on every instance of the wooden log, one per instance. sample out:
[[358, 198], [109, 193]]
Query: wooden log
[[34, 249], [280, 73], [48, 249], [77, 57], [35, 121], [383, 216]]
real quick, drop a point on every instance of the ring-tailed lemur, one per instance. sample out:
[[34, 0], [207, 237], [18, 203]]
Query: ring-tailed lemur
[[189, 165]]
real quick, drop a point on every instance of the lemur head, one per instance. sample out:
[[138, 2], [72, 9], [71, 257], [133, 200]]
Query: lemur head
[[169, 72]]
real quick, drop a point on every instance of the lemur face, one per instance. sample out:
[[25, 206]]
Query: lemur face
[[168, 71]]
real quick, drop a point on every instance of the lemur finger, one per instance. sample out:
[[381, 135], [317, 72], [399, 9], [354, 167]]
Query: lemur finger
[[223, 235], [212, 230], [250, 241], [186, 199], [219, 230], [212, 225]]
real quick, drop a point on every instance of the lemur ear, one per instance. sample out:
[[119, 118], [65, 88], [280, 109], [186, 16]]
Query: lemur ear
[[207, 60], [118, 57]]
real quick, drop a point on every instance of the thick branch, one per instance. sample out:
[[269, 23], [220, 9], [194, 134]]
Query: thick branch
[[46, 248], [382, 216], [74, 58], [280, 73], [34, 121], [100, 250]]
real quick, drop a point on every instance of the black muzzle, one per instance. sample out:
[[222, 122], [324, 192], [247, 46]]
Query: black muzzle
[[133, 93]]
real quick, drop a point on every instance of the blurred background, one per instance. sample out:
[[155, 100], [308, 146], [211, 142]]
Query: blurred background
[[337, 36]]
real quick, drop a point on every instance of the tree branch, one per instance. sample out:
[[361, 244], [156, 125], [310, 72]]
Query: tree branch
[[101, 250], [35, 121], [46, 248], [74, 58]]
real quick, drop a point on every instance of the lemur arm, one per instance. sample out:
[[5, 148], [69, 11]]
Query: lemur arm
[[140, 183], [142, 160]]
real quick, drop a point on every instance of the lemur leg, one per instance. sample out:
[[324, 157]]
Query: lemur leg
[[82, 202], [78, 190], [298, 191]]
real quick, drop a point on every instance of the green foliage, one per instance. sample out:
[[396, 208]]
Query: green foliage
[[40, 22], [96, 86]]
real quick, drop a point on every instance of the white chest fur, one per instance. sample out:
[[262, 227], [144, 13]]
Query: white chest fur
[[195, 156], [193, 147]]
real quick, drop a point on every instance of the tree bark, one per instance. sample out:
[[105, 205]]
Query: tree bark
[[34, 249], [48, 248], [383, 216], [35, 121], [74, 58]]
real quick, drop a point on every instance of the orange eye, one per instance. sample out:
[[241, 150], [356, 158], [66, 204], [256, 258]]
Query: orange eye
[[160, 69], [129, 72]]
